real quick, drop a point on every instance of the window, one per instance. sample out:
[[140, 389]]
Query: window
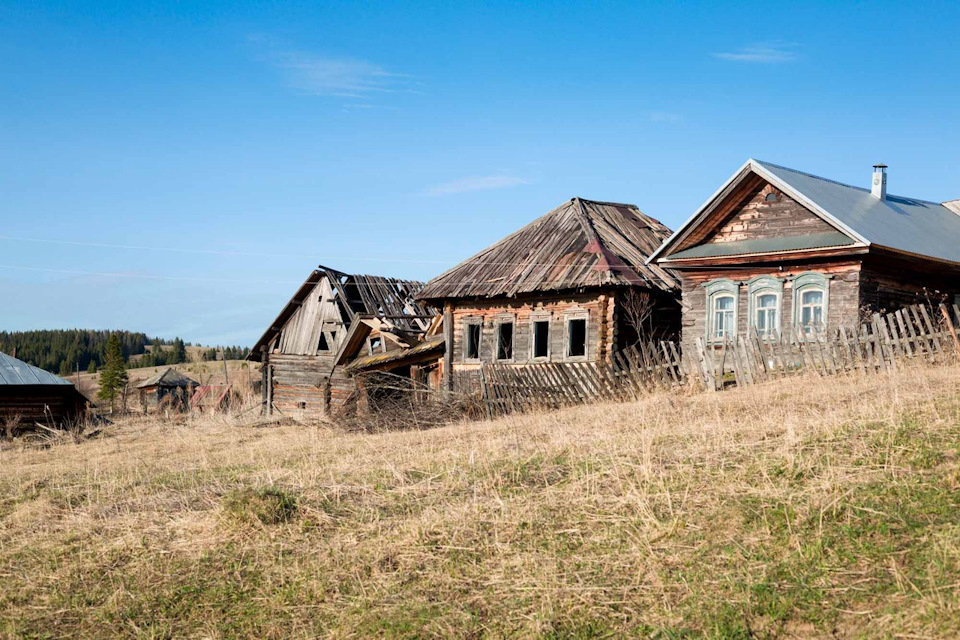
[[541, 338], [811, 296], [322, 345], [724, 316], [505, 340], [765, 292], [722, 300], [765, 313], [771, 197], [374, 345], [576, 337], [473, 331], [811, 310]]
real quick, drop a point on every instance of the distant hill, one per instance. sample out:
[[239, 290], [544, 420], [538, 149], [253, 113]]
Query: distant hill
[[62, 350]]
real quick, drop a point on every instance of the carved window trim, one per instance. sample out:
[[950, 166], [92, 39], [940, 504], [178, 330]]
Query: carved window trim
[[811, 281], [760, 286], [717, 290]]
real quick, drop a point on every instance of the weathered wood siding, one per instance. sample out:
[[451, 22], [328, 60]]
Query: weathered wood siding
[[318, 313], [756, 218], [599, 309], [28, 404], [889, 283], [299, 383], [843, 302]]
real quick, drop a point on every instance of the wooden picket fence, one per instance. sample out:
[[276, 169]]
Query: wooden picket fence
[[885, 343], [632, 372]]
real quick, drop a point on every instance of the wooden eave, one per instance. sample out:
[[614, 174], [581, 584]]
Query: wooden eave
[[804, 254]]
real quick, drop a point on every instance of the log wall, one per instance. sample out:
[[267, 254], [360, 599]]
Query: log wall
[[599, 309], [843, 301]]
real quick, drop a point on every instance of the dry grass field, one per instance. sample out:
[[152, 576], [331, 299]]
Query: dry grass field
[[807, 508]]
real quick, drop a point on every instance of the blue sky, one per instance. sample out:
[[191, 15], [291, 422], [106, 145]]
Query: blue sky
[[179, 168]]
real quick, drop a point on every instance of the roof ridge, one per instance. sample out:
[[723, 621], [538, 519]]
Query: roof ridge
[[838, 183]]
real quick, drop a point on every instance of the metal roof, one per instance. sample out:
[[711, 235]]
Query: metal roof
[[764, 245], [13, 371], [169, 378], [903, 224], [897, 222]]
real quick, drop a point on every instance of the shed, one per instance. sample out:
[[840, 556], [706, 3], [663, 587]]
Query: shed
[[29, 394], [168, 387]]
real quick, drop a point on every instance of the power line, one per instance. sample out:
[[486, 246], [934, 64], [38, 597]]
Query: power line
[[254, 254]]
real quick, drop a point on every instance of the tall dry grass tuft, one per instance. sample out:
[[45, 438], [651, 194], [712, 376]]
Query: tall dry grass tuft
[[811, 507]]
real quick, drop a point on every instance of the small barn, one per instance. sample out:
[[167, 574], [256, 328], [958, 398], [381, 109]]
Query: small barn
[[31, 395], [572, 286], [167, 388], [333, 318], [784, 252]]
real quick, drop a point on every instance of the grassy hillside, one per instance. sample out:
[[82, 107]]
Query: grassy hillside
[[809, 508]]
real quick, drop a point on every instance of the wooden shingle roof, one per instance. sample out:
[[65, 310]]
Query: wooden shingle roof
[[581, 243]]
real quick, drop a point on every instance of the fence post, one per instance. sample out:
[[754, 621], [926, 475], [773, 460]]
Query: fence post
[[950, 327]]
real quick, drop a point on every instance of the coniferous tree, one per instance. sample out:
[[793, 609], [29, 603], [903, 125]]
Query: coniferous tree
[[113, 375], [179, 352], [92, 367]]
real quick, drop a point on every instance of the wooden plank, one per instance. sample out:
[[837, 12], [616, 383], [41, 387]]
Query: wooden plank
[[934, 336], [952, 329]]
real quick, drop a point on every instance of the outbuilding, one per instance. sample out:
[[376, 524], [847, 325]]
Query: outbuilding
[[30, 395]]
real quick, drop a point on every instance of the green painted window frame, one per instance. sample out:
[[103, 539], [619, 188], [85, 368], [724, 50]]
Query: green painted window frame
[[810, 281], [717, 289], [759, 286]]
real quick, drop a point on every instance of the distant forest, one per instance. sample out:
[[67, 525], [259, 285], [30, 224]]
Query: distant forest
[[63, 350]]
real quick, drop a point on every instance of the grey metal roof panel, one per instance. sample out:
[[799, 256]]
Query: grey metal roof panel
[[906, 224], [13, 371], [764, 245]]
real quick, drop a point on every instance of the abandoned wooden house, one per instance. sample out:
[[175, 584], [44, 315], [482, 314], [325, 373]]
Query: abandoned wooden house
[[333, 319], [168, 388], [571, 286], [30, 395], [785, 252]]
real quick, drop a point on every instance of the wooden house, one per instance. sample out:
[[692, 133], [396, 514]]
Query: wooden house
[[332, 319], [558, 290], [786, 252], [168, 388], [31, 395]]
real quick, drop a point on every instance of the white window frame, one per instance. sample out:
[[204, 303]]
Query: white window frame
[[497, 323], [716, 289], [761, 286], [576, 315], [810, 281], [534, 319], [467, 323]]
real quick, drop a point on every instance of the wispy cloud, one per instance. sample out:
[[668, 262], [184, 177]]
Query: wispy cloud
[[764, 53], [664, 117], [343, 77], [475, 183], [325, 75]]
